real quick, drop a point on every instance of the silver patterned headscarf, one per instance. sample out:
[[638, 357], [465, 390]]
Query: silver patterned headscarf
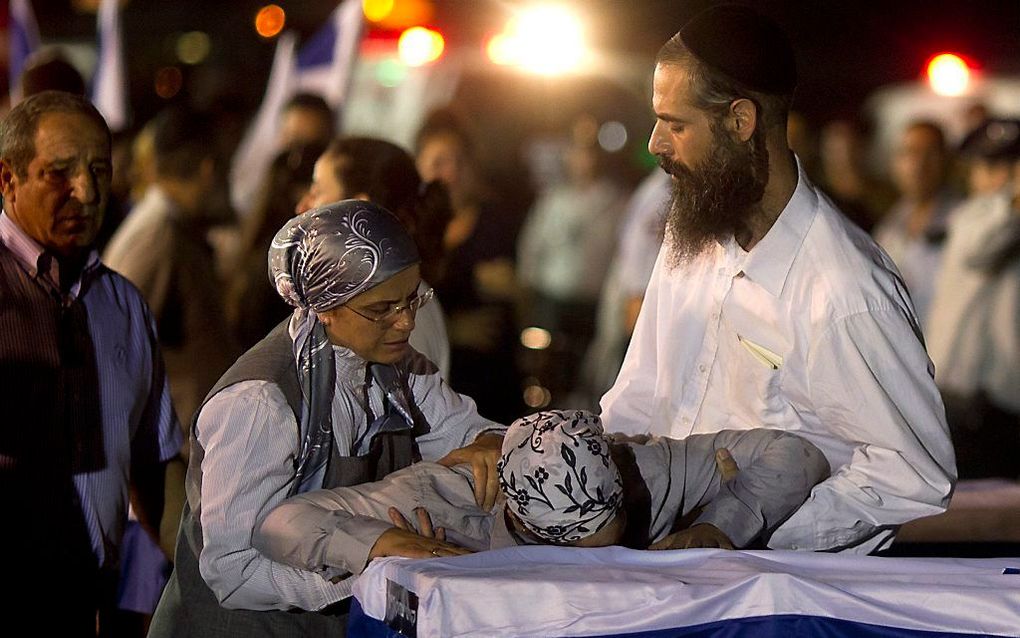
[[320, 260], [557, 475]]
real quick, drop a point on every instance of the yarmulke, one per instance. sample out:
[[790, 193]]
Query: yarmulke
[[994, 139], [745, 46]]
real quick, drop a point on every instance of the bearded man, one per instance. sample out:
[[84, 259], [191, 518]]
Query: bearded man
[[768, 308]]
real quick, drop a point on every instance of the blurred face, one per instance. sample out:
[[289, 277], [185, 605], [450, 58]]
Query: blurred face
[[325, 188], [61, 199], [303, 126], [442, 158], [383, 341], [987, 176], [919, 164]]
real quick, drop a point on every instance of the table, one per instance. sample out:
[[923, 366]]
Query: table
[[611, 591]]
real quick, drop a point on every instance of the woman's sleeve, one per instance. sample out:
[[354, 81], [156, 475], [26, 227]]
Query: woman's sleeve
[[249, 437]]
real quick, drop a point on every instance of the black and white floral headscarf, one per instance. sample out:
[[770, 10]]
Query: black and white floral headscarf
[[320, 260], [557, 475]]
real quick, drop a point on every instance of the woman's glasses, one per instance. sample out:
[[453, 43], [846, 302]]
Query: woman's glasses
[[394, 311]]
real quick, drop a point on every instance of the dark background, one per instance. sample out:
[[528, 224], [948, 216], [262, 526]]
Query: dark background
[[846, 49]]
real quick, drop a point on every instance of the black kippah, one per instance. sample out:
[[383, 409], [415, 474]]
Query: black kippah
[[995, 140], [743, 45]]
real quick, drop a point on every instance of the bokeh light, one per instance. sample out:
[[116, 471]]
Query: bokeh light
[[544, 39], [612, 136], [377, 10], [192, 47], [948, 74], [536, 396], [269, 20], [418, 46], [535, 338], [169, 81]]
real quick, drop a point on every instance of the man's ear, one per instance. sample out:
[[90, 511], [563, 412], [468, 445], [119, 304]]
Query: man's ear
[[7, 180], [744, 118]]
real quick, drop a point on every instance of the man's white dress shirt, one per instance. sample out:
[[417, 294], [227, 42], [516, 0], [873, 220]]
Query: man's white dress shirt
[[812, 332]]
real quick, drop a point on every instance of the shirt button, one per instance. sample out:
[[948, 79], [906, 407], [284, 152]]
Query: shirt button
[[701, 367]]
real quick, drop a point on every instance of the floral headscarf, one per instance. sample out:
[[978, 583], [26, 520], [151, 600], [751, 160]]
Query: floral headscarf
[[320, 260], [557, 475]]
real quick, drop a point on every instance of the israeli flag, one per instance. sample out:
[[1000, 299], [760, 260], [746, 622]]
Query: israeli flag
[[109, 92], [23, 34], [322, 66]]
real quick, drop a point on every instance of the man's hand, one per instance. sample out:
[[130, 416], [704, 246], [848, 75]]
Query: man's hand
[[482, 456], [700, 535], [404, 540], [727, 466]]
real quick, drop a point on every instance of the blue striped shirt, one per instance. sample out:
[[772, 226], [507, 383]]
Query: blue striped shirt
[[134, 393]]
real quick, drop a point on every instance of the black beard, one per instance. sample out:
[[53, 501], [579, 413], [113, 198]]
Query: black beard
[[714, 200]]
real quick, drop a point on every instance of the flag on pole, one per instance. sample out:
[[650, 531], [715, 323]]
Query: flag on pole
[[323, 66], [23, 36], [109, 84]]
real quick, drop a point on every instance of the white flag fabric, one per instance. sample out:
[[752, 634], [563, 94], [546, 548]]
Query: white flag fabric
[[610, 591], [109, 84], [23, 37], [322, 66]]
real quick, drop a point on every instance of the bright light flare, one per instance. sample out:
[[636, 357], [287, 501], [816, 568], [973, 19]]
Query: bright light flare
[[948, 74], [545, 39], [419, 46]]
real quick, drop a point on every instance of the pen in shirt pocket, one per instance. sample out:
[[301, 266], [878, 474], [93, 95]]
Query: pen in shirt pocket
[[761, 353]]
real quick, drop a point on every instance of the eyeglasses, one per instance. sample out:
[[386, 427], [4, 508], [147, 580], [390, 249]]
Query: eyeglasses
[[395, 310]]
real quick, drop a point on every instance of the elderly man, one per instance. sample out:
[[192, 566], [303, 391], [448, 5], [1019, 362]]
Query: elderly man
[[766, 308], [564, 482], [85, 398]]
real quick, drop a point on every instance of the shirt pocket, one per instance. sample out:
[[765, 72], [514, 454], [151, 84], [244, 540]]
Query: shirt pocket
[[753, 369]]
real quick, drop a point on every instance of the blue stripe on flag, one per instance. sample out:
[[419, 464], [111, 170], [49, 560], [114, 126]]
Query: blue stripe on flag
[[319, 50]]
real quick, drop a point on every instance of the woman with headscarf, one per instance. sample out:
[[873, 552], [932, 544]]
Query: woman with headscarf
[[381, 172], [334, 396]]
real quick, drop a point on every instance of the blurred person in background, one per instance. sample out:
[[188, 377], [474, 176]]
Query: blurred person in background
[[381, 172], [844, 176], [564, 251], [49, 70], [914, 231], [478, 288], [974, 330], [89, 423], [306, 118], [252, 306], [641, 230], [768, 308], [161, 248]]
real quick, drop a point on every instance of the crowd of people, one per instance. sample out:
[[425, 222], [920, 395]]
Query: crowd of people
[[756, 347]]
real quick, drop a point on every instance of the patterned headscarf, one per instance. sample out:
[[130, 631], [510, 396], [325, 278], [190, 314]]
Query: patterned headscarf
[[320, 260], [557, 475]]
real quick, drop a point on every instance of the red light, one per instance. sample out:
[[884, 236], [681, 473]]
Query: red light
[[948, 74]]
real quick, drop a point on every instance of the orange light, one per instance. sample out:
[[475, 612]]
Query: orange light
[[269, 20], [377, 10], [418, 46], [948, 74]]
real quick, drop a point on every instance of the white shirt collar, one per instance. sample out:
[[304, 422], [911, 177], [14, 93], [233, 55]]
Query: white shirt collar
[[768, 264]]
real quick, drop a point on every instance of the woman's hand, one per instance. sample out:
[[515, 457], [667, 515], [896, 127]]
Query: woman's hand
[[404, 540], [482, 456]]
